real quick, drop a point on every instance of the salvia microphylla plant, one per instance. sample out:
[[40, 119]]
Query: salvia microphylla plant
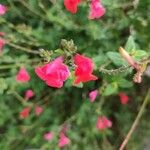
[[56, 72], [66, 64]]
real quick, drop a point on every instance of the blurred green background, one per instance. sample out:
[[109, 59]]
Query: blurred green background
[[36, 24]]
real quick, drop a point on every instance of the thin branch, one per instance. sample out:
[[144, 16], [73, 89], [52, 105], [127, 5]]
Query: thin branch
[[136, 122], [23, 48]]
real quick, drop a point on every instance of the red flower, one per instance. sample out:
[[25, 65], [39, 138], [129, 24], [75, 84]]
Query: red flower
[[25, 112], [96, 10], [3, 9], [103, 123], [29, 94], [54, 73], [123, 98], [38, 110], [84, 69], [23, 75], [71, 5], [63, 140], [2, 43]]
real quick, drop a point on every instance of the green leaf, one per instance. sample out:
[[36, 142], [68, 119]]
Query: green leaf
[[3, 85], [116, 58], [80, 85], [99, 60], [111, 89], [123, 83], [69, 82], [94, 31], [139, 54], [130, 45]]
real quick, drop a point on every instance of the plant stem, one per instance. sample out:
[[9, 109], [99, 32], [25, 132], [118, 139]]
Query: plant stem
[[134, 125], [23, 48]]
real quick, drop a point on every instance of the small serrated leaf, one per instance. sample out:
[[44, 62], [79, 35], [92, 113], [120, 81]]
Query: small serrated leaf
[[116, 58], [139, 54], [130, 45], [112, 88], [123, 83]]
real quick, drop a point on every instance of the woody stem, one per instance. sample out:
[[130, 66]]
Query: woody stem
[[136, 122]]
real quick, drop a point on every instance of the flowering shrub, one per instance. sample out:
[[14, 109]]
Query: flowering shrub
[[71, 80]]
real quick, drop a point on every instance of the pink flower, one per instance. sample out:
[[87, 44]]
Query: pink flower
[[123, 98], [96, 9], [22, 75], [103, 123], [48, 136], [63, 140], [3, 9], [54, 73], [38, 110], [2, 33], [84, 69], [29, 94], [93, 95], [71, 5], [2, 43], [25, 113]]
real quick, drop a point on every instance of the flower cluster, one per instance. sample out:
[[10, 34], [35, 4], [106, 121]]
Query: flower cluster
[[63, 139], [56, 72], [96, 8], [26, 111]]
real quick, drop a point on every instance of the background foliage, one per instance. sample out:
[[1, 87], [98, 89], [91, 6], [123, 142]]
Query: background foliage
[[34, 24]]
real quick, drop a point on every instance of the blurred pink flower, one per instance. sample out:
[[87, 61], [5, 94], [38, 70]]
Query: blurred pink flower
[[123, 98], [22, 75], [38, 110], [63, 140], [103, 123], [92, 95], [71, 5], [25, 113], [29, 94], [48, 136], [2, 33], [84, 69], [2, 43], [96, 9], [53, 73], [3, 9]]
